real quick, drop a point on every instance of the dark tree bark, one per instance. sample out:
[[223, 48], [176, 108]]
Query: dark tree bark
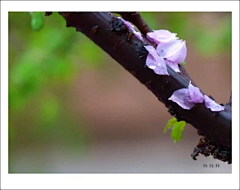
[[109, 33]]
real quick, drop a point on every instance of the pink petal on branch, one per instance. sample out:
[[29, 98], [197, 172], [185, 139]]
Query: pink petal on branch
[[138, 35], [131, 28], [175, 51], [195, 94], [161, 36], [211, 104], [154, 62], [174, 66], [168, 49], [182, 98], [126, 23], [180, 55]]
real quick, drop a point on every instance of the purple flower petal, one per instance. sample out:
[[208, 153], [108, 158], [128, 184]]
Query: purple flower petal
[[126, 23], [151, 62], [195, 94], [180, 55], [159, 36], [168, 49], [151, 50], [131, 28], [211, 104], [182, 98], [175, 51], [138, 35], [161, 69], [174, 66], [154, 62]]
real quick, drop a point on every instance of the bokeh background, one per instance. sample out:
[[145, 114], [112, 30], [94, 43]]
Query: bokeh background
[[73, 109]]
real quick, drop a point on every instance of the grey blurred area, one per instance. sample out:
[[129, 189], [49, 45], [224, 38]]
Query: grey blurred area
[[140, 156], [122, 122]]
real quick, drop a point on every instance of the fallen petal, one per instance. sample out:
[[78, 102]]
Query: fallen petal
[[175, 51], [211, 104], [174, 66], [151, 62], [168, 49], [152, 51], [154, 62], [161, 69], [159, 36], [180, 55], [195, 94], [131, 28], [138, 35], [182, 98], [126, 23]]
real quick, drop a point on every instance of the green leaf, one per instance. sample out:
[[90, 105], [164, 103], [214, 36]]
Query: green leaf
[[177, 131], [183, 63], [36, 21], [171, 122]]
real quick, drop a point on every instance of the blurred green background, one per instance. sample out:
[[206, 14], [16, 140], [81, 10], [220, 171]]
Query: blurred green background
[[72, 108]]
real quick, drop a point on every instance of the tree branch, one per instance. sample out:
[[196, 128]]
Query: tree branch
[[109, 33]]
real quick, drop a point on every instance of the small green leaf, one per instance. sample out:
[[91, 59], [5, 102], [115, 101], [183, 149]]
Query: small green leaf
[[177, 131], [171, 122], [36, 21], [183, 63]]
